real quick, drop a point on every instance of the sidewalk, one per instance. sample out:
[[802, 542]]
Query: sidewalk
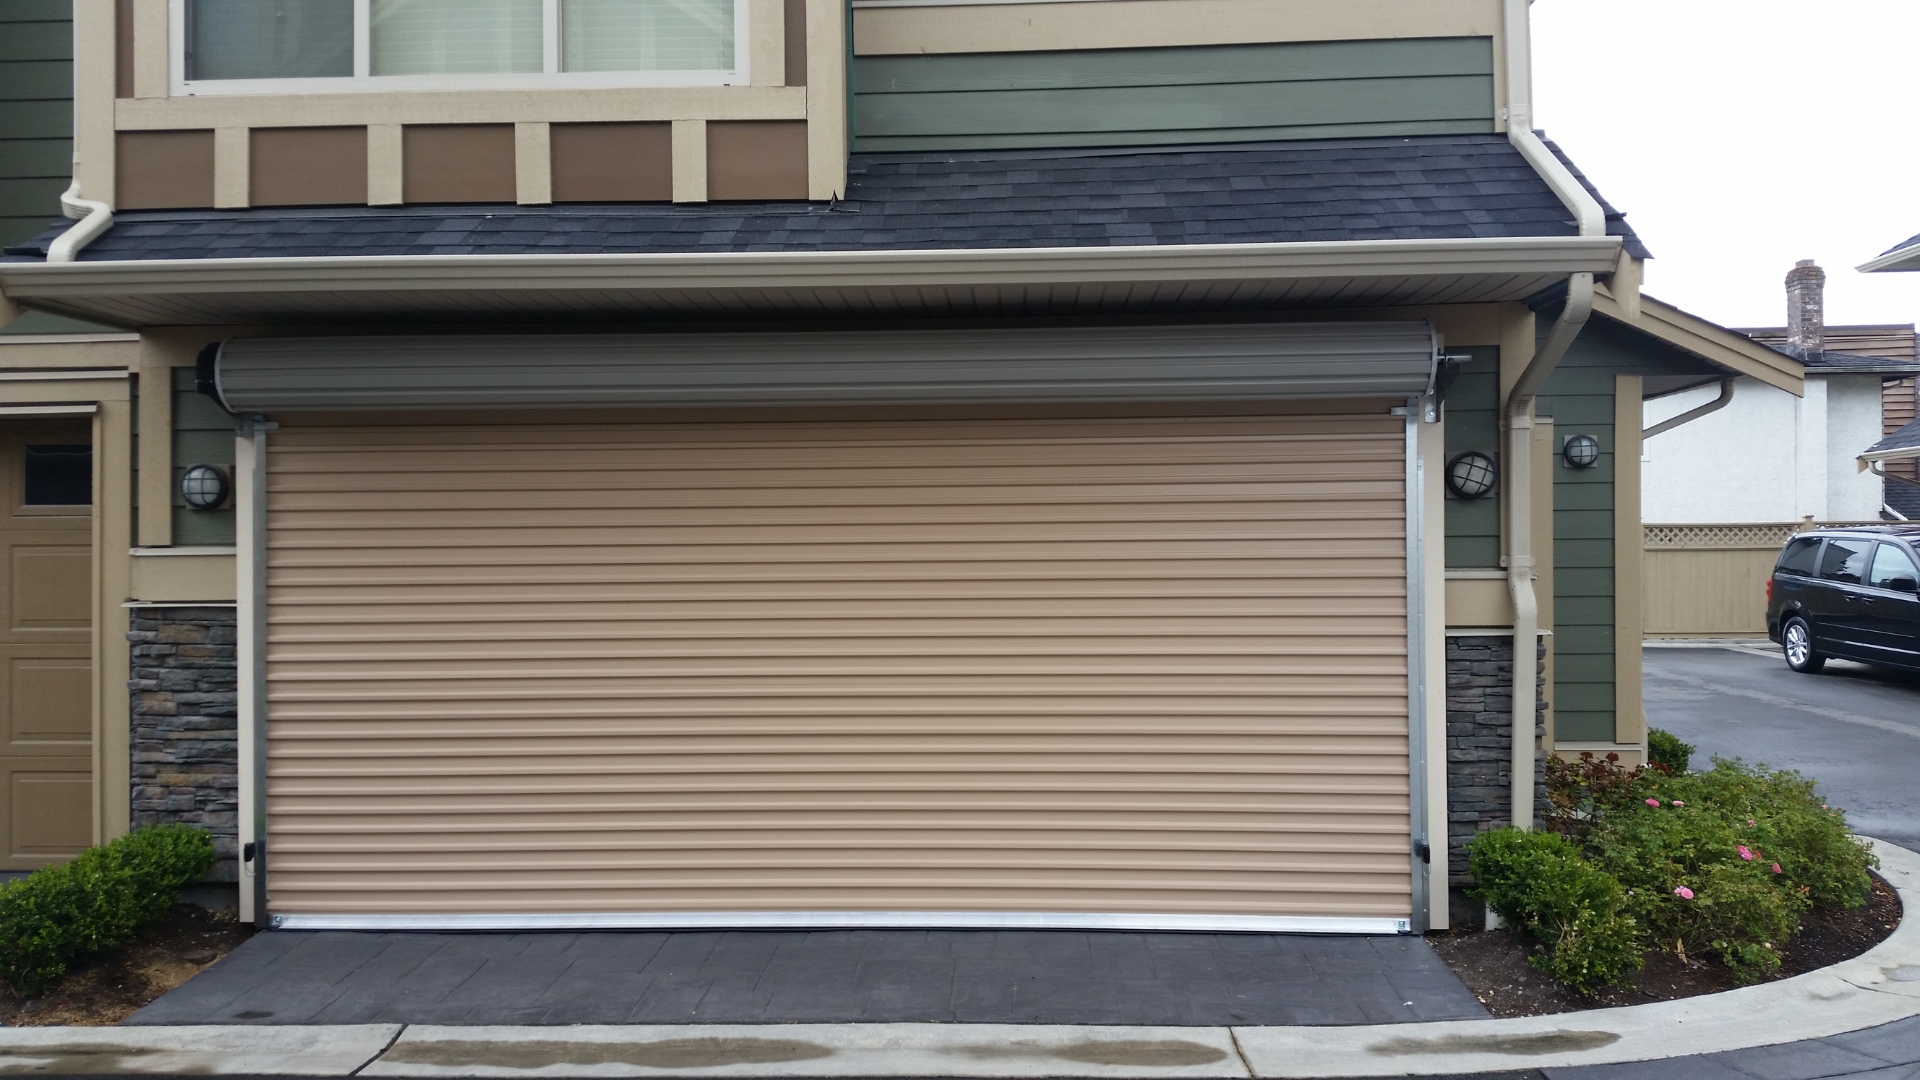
[[1860, 1018]]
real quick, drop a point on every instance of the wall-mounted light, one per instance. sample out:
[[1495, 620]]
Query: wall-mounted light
[[205, 487], [1471, 474], [1581, 452]]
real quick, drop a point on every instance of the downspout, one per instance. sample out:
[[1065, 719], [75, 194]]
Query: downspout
[[94, 217], [1591, 221], [1688, 417]]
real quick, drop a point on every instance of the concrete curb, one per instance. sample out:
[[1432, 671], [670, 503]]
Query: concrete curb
[[1877, 988]]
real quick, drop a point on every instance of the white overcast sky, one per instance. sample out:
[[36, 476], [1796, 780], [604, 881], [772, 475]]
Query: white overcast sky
[[1741, 135]]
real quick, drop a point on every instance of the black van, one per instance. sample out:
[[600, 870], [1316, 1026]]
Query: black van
[[1852, 593]]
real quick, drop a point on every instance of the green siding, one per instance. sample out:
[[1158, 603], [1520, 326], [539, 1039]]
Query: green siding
[[36, 114], [1215, 93], [1473, 423], [202, 435], [1579, 396]]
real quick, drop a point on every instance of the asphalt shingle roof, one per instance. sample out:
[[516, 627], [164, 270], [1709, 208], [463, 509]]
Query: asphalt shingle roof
[[1906, 438], [1439, 187], [1907, 243]]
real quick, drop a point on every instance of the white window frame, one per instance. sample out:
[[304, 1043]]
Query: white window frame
[[361, 82]]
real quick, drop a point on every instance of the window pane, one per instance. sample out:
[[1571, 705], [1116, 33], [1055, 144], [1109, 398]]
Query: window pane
[[646, 35], [269, 39], [1799, 556], [455, 37], [59, 475], [1891, 562], [1846, 560]]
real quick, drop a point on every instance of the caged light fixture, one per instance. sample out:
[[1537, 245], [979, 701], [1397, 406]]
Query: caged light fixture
[[1471, 474], [1581, 452], [205, 487]]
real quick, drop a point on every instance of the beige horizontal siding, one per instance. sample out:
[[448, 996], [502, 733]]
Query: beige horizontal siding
[[1095, 665]]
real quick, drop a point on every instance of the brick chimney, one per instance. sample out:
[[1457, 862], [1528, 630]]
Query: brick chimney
[[1806, 314]]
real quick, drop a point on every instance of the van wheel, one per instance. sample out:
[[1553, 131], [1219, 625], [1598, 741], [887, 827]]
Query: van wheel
[[1796, 639]]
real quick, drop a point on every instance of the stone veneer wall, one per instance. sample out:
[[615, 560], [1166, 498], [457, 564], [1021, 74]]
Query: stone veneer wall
[[186, 706], [1479, 761]]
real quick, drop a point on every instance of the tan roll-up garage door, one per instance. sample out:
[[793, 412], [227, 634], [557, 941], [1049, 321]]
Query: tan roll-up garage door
[[1065, 667]]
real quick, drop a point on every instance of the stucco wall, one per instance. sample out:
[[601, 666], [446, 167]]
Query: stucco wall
[[1853, 424], [1767, 456]]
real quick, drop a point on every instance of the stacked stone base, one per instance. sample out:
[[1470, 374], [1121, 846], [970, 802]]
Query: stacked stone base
[[186, 707], [1479, 752]]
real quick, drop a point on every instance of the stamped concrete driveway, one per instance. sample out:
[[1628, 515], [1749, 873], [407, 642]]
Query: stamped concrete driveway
[[1854, 728]]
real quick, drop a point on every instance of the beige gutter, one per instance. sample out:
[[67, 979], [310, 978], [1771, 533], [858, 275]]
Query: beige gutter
[[759, 270]]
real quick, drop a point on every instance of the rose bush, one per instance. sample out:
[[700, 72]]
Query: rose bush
[[1720, 863]]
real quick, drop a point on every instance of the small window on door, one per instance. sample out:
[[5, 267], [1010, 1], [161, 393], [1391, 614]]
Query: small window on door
[[58, 475]]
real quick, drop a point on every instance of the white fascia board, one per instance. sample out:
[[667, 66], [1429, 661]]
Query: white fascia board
[[671, 272], [1902, 453], [1906, 258]]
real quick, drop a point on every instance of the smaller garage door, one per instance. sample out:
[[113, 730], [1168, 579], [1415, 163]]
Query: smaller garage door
[[729, 672]]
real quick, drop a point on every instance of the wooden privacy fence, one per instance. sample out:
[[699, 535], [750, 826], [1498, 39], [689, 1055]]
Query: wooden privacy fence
[[1711, 580]]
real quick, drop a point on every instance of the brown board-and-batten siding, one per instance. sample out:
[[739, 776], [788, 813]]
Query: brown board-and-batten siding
[[1070, 669]]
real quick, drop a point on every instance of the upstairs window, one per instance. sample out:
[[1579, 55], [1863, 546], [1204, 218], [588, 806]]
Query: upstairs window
[[318, 46]]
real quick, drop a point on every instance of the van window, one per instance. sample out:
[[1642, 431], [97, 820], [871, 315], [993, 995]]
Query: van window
[[1799, 556], [1846, 560], [1892, 562]]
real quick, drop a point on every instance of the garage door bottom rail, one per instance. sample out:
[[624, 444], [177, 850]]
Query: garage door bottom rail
[[850, 920]]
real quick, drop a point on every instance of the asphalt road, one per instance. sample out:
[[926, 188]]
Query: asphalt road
[[1855, 729]]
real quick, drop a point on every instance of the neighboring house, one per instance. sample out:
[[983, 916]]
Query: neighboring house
[[1766, 457], [1904, 498], [690, 473]]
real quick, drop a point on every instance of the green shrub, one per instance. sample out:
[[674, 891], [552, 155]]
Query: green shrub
[[1665, 748], [56, 916], [1539, 882], [1723, 861]]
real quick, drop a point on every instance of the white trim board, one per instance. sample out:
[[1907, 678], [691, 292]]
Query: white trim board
[[944, 920]]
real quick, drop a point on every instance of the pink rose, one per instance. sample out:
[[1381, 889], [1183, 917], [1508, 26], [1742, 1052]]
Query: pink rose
[[1683, 893], [1750, 821], [1677, 802], [1653, 802], [1746, 853], [1776, 868]]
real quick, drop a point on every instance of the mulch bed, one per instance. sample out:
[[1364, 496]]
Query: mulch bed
[[167, 953], [1494, 965]]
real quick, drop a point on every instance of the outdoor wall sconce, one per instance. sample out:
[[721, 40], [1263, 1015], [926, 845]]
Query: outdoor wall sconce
[[1581, 452], [205, 487], [1470, 474]]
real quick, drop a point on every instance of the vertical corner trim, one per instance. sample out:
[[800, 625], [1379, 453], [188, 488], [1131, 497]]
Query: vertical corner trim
[[1629, 544], [689, 161], [232, 168], [385, 168], [532, 164], [828, 122], [152, 53], [767, 23]]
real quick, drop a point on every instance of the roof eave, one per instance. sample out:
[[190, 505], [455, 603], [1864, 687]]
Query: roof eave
[[1901, 258], [153, 292], [1711, 342]]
